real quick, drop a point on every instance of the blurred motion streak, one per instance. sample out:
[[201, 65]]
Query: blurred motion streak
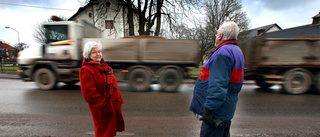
[[139, 60]]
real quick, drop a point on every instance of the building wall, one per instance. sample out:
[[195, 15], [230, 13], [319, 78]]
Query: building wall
[[7, 53], [116, 14], [274, 28]]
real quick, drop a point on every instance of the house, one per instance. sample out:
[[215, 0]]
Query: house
[[108, 15], [309, 30], [7, 52], [253, 33]]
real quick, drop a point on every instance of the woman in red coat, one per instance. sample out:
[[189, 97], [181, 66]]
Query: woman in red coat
[[100, 89]]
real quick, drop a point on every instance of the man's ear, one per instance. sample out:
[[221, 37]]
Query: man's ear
[[220, 36]]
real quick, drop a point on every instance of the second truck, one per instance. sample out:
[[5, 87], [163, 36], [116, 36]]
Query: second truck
[[293, 63]]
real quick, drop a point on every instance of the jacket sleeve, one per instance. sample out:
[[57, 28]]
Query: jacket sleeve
[[89, 89], [219, 76]]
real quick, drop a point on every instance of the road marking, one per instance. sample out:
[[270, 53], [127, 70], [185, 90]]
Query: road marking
[[125, 133], [90, 133], [118, 133]]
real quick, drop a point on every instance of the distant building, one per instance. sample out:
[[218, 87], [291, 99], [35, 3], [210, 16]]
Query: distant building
[[7, 52], [309, 30], [114, 24], [253, 33]]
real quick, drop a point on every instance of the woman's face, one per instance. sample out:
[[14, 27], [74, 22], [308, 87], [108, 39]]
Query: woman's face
[[96, 54]]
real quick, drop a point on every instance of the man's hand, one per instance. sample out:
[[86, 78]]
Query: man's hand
[[209, 119]]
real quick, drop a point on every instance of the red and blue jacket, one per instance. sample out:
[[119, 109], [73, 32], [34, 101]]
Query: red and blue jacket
[[219, 82]]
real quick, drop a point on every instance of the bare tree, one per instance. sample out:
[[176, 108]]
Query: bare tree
[[130, 17], [39, 33], [148, 12], [204, 29], [219, 11], [162, 15], [152, 15]]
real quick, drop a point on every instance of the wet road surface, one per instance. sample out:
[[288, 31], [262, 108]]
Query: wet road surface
[[27, 111]]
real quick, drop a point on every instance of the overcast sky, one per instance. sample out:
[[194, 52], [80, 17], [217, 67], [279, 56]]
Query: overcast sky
[[286, 13]]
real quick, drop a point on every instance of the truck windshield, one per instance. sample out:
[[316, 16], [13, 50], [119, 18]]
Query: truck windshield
[[56, 33]]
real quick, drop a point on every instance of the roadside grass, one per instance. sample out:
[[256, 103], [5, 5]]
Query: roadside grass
[[195, 71]]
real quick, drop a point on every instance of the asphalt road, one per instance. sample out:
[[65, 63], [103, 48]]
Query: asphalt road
[[27, 111]]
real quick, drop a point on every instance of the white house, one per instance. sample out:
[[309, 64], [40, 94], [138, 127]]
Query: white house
[[113, 23]]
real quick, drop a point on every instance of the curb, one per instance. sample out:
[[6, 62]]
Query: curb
[[16, 76], [9, 76]]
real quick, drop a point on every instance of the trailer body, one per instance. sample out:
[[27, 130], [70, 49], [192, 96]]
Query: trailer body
[[293, 63]]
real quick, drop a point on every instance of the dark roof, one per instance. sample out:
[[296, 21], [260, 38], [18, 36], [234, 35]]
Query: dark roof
[[5, 46], [254, 32], [316, 16], [305, 30], [79, 11]]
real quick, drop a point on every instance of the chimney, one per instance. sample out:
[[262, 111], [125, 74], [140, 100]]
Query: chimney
[[261, 31], [316, 19], [56, 18]]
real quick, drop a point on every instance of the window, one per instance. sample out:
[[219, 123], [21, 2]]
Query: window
[[56, 33], [90, 15], [109, 24], [108, 4]]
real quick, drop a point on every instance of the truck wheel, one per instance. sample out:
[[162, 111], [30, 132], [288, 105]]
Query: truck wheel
[[170, 80], [297, 81], [45, 79], [139, 79], [260, 82]]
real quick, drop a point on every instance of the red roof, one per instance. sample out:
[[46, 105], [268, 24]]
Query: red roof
[[5, 46]]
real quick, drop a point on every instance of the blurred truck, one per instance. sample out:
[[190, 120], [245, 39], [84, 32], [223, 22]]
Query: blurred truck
[[136, 60], [293, 63]]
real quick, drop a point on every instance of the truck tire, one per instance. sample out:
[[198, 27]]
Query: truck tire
[[260, 82], [45, 79], [170, 80], [297, 81], [139, 79]]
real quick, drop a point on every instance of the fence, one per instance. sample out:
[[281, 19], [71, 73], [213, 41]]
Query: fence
[[9, 67]]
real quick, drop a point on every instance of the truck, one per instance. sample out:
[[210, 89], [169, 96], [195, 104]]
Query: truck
[[293, 63], [140, 61]]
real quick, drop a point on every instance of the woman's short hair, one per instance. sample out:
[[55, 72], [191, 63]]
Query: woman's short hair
[[89, 46], [230, 30]]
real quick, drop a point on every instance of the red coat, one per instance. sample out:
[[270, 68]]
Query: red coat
[[105, 106]]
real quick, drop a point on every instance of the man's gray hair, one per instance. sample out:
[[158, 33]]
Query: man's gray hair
[[89, 46], [230, 30]]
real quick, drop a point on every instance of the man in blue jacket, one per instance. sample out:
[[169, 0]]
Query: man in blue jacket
[[217, 87]]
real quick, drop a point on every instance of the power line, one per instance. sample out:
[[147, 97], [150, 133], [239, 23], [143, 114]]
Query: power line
[[34, 6]]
